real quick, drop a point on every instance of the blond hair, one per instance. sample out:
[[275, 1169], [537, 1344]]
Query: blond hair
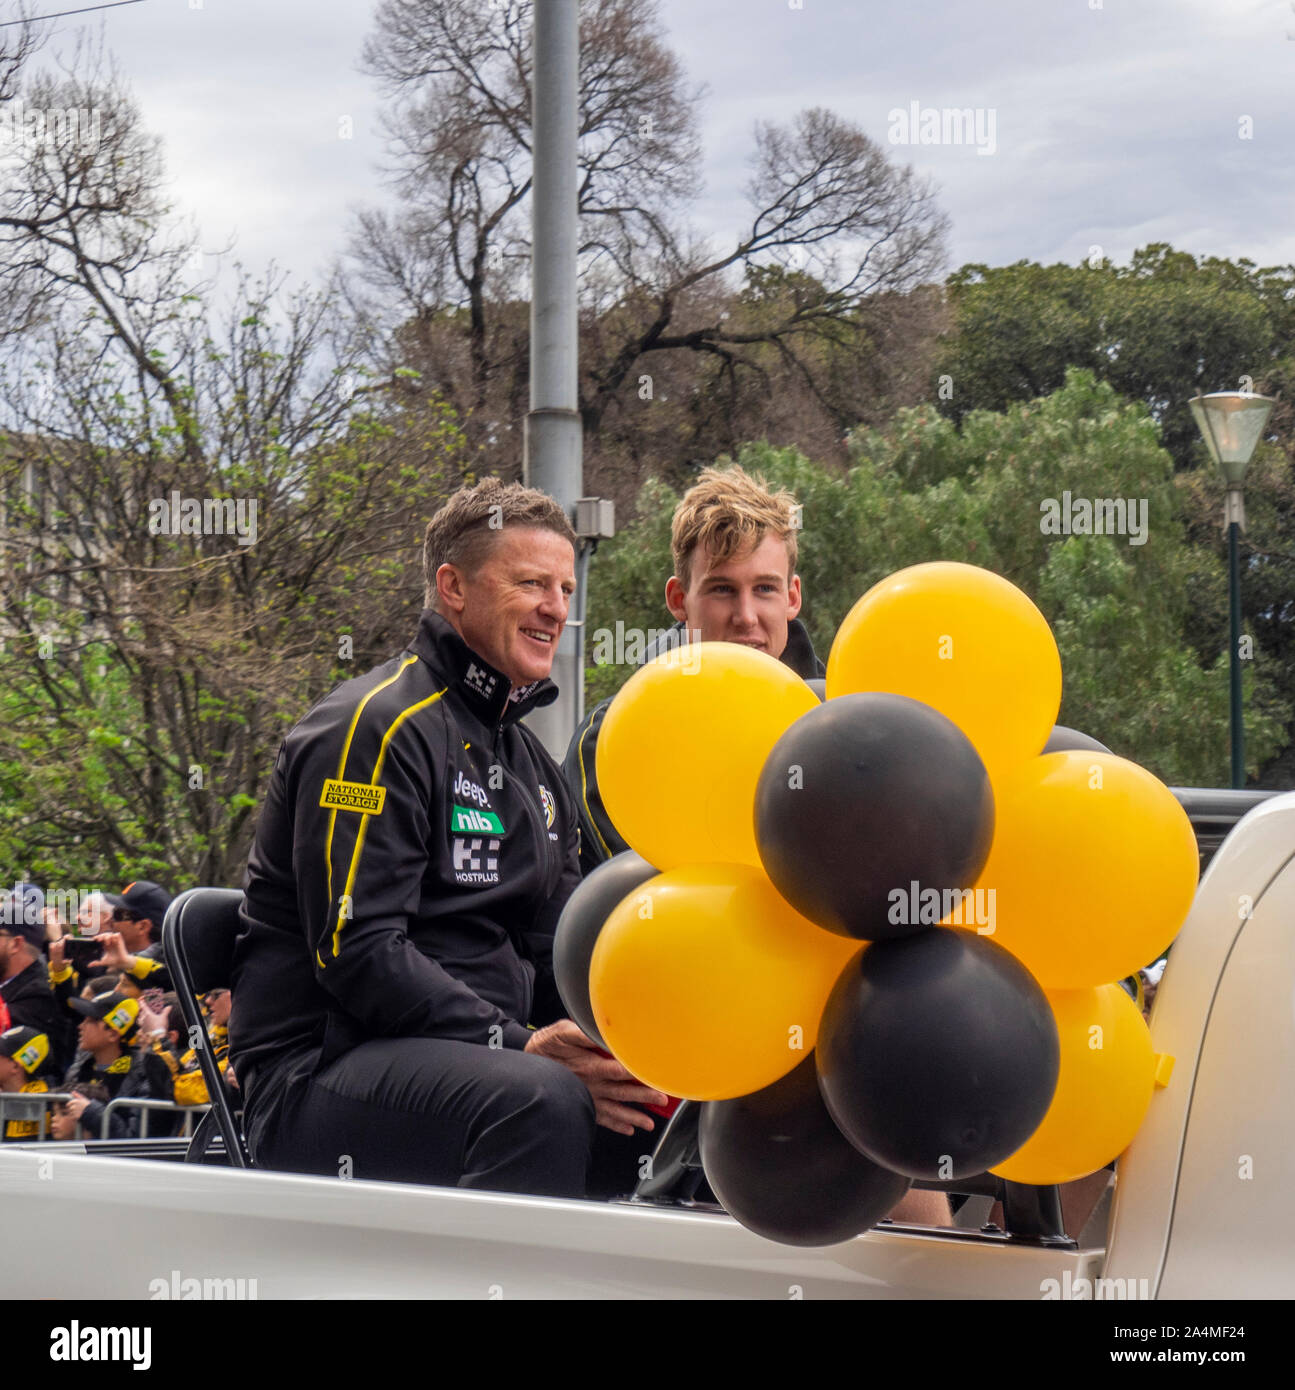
[[730, 512], [464, 531]]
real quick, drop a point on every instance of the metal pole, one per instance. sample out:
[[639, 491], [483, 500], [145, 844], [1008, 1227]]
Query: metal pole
[[1234, 607], [553, 459]]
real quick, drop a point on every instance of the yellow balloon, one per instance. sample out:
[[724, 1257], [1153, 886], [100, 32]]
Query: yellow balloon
[[682, 746], [964, 641], [707, 985], [1103, 1091], [1092, 868]]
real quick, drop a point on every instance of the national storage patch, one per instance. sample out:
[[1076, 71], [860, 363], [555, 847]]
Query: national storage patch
[[353, 796]]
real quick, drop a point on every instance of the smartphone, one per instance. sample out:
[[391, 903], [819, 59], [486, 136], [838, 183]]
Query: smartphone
[[79, 951]]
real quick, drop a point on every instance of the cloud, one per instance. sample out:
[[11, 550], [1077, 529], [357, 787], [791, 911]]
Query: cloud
[[1114, 125]]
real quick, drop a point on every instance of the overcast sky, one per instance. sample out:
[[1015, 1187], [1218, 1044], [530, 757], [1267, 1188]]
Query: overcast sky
[[1115, 122]]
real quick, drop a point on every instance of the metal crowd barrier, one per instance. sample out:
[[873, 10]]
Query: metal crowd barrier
[[147, 1106], [33, 1105]]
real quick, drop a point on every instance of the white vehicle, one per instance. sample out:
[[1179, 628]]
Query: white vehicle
[[1201, 1199]]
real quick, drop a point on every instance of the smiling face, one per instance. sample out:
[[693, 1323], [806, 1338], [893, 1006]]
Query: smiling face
[[748, 599], [511, 610]]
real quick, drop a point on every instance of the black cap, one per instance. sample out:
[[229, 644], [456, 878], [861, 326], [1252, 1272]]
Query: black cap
[[29, 1047], [20, 913], [119, 1011], [147, 899]]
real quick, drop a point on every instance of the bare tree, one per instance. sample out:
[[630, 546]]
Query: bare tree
[[846, 230], [19, 39], [150, 663], [459, 77], [82, 219], [837, 237]]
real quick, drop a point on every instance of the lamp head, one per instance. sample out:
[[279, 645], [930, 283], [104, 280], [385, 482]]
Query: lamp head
[[1231, 423]]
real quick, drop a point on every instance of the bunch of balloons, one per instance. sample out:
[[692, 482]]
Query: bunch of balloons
[[878, 933]]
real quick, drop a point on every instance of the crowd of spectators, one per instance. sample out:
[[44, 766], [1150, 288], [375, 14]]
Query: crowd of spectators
[[87, 1011]]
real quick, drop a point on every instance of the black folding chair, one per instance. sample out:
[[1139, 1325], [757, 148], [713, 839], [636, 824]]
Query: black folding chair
[[198, 942]]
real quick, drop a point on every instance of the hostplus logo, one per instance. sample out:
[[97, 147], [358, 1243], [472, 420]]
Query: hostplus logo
[[475, 678], [476, 861]]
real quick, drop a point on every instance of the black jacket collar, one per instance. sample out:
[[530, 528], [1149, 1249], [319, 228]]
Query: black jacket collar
[[485, 690], [799, 653]]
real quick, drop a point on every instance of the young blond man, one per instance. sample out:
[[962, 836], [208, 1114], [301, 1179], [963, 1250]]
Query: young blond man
[[733, 544]]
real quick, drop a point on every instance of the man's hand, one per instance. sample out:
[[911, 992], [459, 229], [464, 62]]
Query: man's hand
[[614, 1090], [57, 952], [76, 1106], [115, 955], [151, 1025]]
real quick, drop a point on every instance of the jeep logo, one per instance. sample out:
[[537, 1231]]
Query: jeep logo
[[469, 791]]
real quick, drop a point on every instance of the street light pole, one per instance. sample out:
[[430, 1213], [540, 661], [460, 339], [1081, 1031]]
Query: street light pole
[[1234, 629], [1231, 423], [553, 459]]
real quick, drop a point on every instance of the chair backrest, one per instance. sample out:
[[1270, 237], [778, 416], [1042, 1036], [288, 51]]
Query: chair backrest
[[198, 939], [198, 935]]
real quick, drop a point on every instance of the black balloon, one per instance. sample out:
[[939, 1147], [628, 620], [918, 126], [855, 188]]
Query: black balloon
[[780, 1166], [1064, 740], [577, 931], [819, 686], [938, 1054], [866, 802]]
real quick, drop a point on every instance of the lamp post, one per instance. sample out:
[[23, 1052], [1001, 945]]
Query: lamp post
[[1231, 423]]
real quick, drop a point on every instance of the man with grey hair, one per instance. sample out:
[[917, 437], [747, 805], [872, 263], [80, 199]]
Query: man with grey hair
[[395, 1014], [94, 914]]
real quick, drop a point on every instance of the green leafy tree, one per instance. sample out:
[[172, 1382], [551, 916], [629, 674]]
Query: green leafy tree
[[1161, 329], [926, 490]]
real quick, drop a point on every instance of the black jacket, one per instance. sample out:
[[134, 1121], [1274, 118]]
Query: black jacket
[[150, 968], [598, 837], [138, 1073], [33, 1005], [412, 857]]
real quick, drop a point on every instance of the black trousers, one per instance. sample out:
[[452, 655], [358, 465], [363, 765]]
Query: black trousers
[[430, 1110]]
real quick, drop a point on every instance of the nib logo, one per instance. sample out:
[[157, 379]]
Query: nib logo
[[470, 820]]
